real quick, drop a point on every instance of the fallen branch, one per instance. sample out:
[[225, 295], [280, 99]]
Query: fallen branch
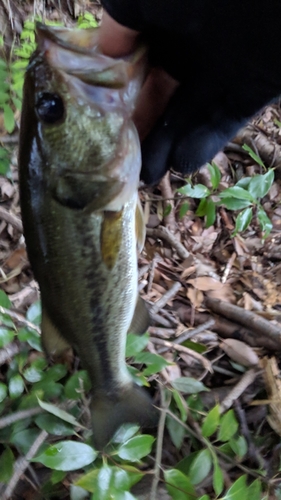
[[12, 219], [162, 232], [19, 415], [246, 380], [165, 298], [246, 318], [229, 329], [167, 193], [180, 348]]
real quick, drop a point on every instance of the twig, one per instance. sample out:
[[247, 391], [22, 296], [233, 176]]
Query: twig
[[166, 190], [160, 434], [21, 465], [157, 318], [247, 379], [8, 352], [180, 348], [245, 318], [165, 298], [12, 219], [19, 415], [162, 232], [19, 318], [151, 274], [228, 267], [188, 334]]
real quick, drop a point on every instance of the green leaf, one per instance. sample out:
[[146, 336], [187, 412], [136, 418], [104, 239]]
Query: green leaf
[[204, 497], [181, 404], [4, 300], [76, 384], [202, 208], [16, 386], [34, 313], [243, 220], [6, 336], [6, 465], [197, 191], [48, 389], [239, 446], [67, 456], [200, 467], [77, 493], [9, 119], [4, 86], [188, 385], [24, 439], [4, 98], [235, 204], [228, 427], [211, 422], [136, 448], [67, 417], [20, 64], [125, 432], [155, 361], [4, 166], [255, 490], [183, 209], [167, 210], [211, 212], [265, 222], [54, 425], [218, 479], [32, 374], [236, 192], [56, 372], [136, 344], [31, 337], [3, 64], [179, 485], [177, 432], [215, 175], [3, 391], [253, 155], [238, 490], [260, 184]]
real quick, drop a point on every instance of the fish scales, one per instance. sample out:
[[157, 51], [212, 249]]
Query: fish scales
[[79, 165]]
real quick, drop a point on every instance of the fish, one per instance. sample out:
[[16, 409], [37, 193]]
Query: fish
[[79, 166]]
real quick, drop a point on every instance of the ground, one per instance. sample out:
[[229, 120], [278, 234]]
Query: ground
[[213, 288]]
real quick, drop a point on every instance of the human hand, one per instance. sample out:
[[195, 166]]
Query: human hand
[[222, 70]]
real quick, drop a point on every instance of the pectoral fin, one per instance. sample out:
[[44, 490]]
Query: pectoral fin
[[110, 237], [141, 318], [140, 226]]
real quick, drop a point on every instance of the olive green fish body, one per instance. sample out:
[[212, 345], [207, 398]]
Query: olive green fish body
[[79, 168]]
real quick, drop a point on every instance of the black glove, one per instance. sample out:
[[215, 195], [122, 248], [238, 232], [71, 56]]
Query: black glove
[[226, 54]]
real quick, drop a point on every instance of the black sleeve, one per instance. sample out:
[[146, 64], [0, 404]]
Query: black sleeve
[[225, 54]]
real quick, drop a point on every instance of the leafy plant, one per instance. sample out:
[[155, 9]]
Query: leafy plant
[[244, 196]]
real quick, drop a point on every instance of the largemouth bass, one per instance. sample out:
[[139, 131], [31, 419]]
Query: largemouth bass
[[79, 164]]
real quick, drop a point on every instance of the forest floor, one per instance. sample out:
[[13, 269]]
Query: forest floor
[[214, 293]]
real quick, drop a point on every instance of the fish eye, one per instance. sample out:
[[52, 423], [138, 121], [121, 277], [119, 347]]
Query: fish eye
[[50, 107]]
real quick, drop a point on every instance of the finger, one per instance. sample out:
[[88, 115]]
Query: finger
[[153, 99], [116, 40]]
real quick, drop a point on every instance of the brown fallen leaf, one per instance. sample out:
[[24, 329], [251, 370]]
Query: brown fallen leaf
[[239, 352]]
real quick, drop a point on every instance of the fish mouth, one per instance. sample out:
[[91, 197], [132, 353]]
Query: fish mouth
[[76, 52]]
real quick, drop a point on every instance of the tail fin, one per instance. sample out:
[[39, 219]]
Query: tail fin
[[133, 406]]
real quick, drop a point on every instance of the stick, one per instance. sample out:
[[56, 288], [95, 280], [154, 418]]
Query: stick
[[165, 298], [162, 232], [245, 318]]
